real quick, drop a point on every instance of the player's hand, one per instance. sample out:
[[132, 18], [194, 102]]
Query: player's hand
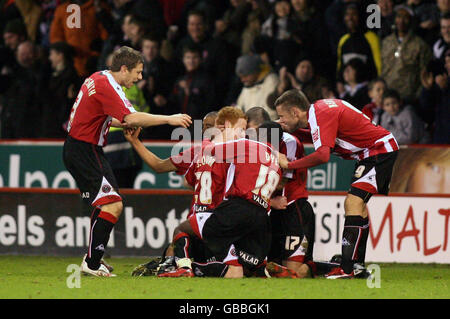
[[131, 134], [283, 161], [279, 202], [182, 120]]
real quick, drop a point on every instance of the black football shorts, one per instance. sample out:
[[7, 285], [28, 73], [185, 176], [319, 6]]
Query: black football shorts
[[94, 176], [372, 175]]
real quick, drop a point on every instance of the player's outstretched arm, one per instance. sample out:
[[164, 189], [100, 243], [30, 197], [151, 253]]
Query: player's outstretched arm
[[157, 164], [145, 119], [320, 156]]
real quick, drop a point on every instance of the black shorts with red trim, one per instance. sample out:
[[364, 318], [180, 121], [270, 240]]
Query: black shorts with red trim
[[372, 175], [288, 232], [94, 176], [236, 222]]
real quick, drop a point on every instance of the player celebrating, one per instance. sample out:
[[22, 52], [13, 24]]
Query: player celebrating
[[241, 221], [233, 122], [101, 103], [336, 126]]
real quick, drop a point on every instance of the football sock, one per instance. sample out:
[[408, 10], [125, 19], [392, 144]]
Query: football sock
[[361, 254], [351, 240], [214, 269], [181, 249], [100, 230]]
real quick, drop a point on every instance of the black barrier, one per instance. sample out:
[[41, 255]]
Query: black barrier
[[57, 223]]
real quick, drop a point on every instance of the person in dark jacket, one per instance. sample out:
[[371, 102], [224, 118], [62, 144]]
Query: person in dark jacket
[[59, 87], [193, 93], [218, 60]]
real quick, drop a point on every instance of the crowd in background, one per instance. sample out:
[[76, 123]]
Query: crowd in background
[[201, 55]]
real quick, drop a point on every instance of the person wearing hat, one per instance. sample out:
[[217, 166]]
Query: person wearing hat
[[404, 55], [258, 82], [14, 33]]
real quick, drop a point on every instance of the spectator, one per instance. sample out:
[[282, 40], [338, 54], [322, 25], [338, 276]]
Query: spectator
[[305, 79], [31, 13], [443, 6], [14, 33], [355, 89], [310, 32], [157, 83], [253, 27], [404, 55], [21, 111], [427, 19], [80, 38], [279, 28], [375, 108], [48, 11], [216, 56], [157, 78], [58, 89], [387, 18], [401, 120], [233, 23], [443, 43], [258, 81], [8, 12], [435, 101], [193, 92], [358, 43]]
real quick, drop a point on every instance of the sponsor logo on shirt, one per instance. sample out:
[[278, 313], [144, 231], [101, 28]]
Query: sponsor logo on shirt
[[315, 135]]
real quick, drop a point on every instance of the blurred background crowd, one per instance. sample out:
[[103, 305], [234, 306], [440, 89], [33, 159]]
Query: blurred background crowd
[[201, 55]]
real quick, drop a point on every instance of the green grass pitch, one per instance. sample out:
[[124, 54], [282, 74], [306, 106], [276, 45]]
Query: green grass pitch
[[35, 277]]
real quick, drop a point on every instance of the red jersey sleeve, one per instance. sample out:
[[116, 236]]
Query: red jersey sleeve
[[324, 122], [112, 98], [183, 160]]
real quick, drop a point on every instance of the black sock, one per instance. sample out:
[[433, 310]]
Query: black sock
[[351, 240], [214, 269], [361, 253], [100, 230], [181, 246]]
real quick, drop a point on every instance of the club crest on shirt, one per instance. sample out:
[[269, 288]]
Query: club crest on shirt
[[106, 188]]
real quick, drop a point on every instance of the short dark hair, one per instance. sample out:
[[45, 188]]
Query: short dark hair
[[293, 98], [197, 13], [258, 115], [271, 132], [126, 56], [374, 81], [359, 67], [151, 36], [65, 49], [192, 47], [391, 93], [445, 16]]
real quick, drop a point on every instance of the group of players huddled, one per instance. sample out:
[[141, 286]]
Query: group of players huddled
[[250, 214]]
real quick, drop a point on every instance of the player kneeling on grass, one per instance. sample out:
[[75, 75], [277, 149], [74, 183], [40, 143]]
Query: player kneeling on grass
[[238, 230]]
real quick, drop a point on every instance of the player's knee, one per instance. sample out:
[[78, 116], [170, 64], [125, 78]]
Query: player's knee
[[353, 205], [234, 272], [114, 209], [301, 269]]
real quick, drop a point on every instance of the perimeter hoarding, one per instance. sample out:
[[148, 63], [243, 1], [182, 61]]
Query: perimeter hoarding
[[406, 229], [39, 164]]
